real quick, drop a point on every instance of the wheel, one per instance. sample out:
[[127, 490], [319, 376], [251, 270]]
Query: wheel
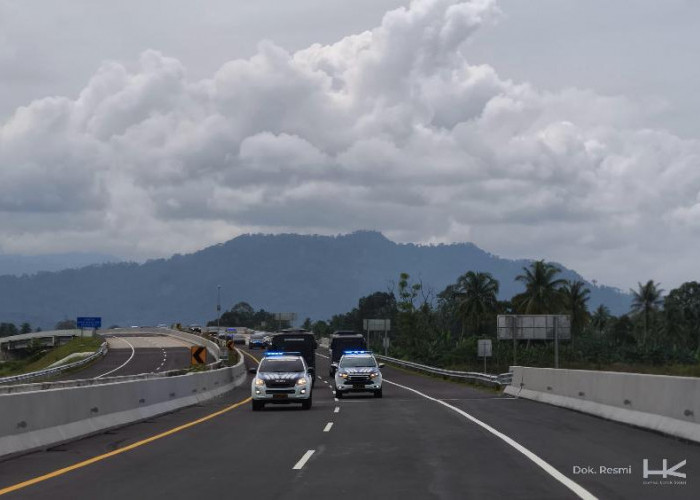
[[378, 393], [306, 404], [338, 394], [258, 405]]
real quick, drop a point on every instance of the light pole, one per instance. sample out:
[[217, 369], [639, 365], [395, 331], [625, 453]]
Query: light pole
[[218, 308]]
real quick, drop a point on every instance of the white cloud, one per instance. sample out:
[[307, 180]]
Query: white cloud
[[390, 129]]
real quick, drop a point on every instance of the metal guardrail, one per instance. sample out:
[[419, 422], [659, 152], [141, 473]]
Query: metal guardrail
[[495, 380], [49, 372], [87, 382]]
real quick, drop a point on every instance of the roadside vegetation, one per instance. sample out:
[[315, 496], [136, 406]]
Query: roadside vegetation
[[40, 358], [660, 334]]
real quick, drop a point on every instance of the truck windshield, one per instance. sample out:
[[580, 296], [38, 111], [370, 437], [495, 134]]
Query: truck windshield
[[281, 365]]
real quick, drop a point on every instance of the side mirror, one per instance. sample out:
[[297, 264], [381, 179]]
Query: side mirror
[[334, 365], [381, 365], [252, 370], [311, 370]]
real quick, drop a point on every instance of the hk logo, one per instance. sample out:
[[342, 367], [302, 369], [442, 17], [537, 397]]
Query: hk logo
[[665, 471]]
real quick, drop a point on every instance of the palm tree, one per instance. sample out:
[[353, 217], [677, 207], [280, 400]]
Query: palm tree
[[575, 295], [477, 295], [646, 299], [600, 318], [541, 295]]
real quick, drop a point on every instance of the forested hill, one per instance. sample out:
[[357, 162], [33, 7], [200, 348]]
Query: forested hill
[[315, 276]]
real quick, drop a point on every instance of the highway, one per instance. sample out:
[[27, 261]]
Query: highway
[[426, 438], [135, 351]]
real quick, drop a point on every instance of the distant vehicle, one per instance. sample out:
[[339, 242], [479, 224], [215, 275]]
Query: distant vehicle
[[238, 338], [281, 378], [345, 332], [135, 326], [358, 371], [162, 325], [259, 341], [344, 342], [195, 328], [297, 340]]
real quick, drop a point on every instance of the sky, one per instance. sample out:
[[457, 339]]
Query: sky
[[553, 129]]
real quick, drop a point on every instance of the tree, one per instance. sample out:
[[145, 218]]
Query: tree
[[8, 329], [307, 325], [477, 295], [682, 312], [541, 295], [646, 300], [25, 328], [600, 318], [574, 296], [66, 324]]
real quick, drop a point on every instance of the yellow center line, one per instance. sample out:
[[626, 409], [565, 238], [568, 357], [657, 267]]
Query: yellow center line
[[90, 461]]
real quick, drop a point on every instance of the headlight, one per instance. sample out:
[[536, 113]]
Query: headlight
[[343, 375], [259, 381], [373, 374], [301, 381]]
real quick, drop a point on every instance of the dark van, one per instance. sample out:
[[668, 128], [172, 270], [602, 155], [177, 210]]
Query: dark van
[[297, 340], [344, 341]]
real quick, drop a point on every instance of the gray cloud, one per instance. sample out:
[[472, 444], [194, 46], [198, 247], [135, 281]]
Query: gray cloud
[[391, 129]]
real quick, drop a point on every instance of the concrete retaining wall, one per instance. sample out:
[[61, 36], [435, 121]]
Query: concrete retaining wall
[[35, 420], [662, 403]]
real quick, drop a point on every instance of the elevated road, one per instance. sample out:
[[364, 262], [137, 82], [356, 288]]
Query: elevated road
[[426, 438], [134, 351]]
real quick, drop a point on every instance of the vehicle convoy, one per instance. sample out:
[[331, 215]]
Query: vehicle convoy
[[297, 340], [259, 340], [358, 371], [342, 341], [281, 378]]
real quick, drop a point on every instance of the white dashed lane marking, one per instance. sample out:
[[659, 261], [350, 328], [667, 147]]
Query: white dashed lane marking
[[328, 427], [302, 461]]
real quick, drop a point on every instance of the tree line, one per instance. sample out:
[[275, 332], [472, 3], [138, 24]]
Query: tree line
[[442, 328]]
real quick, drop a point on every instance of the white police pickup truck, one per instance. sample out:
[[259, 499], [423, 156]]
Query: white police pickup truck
[[358, 371], [281, 378]]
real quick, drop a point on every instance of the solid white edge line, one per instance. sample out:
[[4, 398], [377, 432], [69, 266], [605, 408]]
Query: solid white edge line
[[302, 461], [133, 351], [579, 490], [328, 427]]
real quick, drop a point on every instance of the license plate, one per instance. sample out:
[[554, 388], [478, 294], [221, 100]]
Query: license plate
[[358, 386], [279, 396]]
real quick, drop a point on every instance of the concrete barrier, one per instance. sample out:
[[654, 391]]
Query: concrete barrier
[[212, 347], [666, 404], [35, 420]]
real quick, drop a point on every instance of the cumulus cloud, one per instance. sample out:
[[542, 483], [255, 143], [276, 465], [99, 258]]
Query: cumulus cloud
[[391, 129]]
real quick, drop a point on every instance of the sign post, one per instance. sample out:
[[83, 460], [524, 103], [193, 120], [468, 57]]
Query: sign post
[[484, 350], [378, 325], [284, 316], [198, 355], [91, 322]]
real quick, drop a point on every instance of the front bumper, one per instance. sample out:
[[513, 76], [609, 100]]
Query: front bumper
[[294, 394], [346, 385]]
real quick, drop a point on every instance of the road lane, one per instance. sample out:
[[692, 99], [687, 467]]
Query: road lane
[[137, 351], [400, 446]]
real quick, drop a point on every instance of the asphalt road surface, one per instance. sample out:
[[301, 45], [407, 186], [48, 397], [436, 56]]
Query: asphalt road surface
[[426, 438], [136, 351]]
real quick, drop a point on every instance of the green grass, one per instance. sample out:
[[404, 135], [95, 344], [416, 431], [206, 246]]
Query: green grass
[[44, 359]]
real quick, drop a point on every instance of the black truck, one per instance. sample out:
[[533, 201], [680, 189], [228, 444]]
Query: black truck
[[297, 340], [342, 341]]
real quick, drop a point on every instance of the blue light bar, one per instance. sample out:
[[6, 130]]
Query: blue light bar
[[357, 352], [280, 353]]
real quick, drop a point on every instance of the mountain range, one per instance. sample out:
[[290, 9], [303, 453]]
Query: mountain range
[[314, 276]]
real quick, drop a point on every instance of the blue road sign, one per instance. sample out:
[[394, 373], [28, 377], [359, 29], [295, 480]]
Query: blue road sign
[[88, 322]]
